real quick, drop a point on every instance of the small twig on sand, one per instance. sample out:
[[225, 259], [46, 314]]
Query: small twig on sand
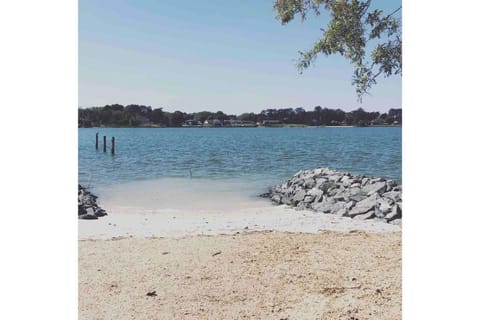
[[152, 294]]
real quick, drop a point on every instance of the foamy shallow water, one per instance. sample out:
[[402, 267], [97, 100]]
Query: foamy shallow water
[[181, 194], [183, 207]]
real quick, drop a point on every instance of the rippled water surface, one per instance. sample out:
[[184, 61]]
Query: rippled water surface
[[260, 156]]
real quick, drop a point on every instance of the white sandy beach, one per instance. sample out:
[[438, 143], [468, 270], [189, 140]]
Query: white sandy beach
[[252, 275], [233, 258], [172, 223], [178, 208]]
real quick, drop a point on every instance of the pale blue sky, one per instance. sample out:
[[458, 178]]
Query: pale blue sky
[[212, 55]]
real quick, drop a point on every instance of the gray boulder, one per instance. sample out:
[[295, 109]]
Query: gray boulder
[[364, 206], [320, 182], [316, 194], [326, 186], [286, 200], [328, 171], [325, 206], [100, 212], [335, 178], [340, 196], [350, 205], [339, 205], [309, 183], [365, 181], [290, 190], [393, 195], [276, 198], [88, 216], [308, 199], [355, 194], [375, 180], [390, 185], [333, 191], [377, 187], [385, 204], [346, 181], [81, 209], [299, 195], [87, 205], [379, 213], [369, 215], [396, 213]]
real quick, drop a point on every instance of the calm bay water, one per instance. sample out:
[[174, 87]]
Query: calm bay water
[[259, 156]]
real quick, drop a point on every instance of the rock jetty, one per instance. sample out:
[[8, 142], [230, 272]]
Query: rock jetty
[[87, 205], [332, 192]]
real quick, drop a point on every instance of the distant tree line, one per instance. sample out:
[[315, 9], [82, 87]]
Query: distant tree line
[[133, 115]]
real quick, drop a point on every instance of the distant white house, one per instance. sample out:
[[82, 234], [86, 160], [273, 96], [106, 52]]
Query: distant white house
[[212, 122], [193, 123]]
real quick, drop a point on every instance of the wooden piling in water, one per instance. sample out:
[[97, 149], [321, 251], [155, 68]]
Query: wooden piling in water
[[104, 143], [113, 145], [96, 141]]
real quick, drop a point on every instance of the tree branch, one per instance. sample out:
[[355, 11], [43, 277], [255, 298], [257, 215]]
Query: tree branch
[[395, 11]]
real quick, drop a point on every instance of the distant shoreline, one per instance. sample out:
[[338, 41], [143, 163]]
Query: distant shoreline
[[228, 127]]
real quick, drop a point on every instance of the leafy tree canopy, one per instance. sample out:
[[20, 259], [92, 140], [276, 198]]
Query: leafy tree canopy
[[369, 38], [140, 116]]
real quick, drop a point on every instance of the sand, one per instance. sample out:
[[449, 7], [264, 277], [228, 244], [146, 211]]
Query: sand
[[183, 207], [180, 223], [250, 275], [238, 257]]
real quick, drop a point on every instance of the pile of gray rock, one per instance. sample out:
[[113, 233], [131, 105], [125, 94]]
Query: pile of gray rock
[[87, 205], [332, 192]]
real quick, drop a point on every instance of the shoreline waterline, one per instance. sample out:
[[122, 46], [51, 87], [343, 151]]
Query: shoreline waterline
[[176, 207], [184, 207]]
